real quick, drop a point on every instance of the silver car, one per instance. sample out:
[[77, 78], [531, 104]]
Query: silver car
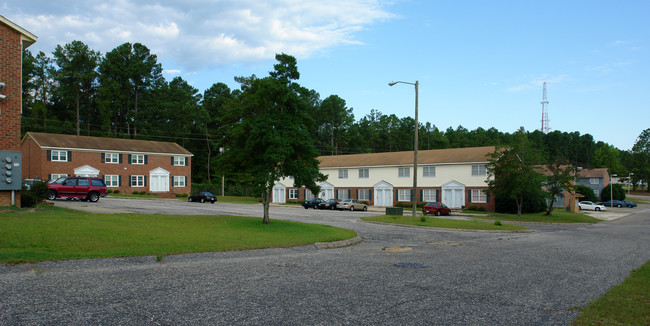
[[587, 205], [352, 204]]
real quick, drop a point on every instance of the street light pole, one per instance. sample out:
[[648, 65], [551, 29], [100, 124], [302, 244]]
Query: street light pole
[[629, 180], [611, 190], [415, 146]]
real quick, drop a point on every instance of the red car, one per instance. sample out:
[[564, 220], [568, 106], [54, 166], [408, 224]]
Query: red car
[[436, 208], [84, 188]]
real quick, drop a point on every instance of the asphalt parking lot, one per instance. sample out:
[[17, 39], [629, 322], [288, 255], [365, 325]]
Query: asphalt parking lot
[[435, 276]]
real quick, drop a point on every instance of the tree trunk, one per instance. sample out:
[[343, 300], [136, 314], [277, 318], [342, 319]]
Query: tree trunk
[[550, 207], [266, 199]]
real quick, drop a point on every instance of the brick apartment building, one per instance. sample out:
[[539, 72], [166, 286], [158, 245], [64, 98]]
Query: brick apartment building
[[13, 40], [127, 165]]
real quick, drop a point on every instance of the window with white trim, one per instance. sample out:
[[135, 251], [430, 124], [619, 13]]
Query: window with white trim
[[478, 170], [343, 194], [343, 173], [428, 171], [179, 160], [479, 196], [179, 181], [429, 195], [403, 194], [364, 194], [112, 180], [308, 194], [137, 181], [364, 173], [56, 176], [59, 156], [293, 193], [112, 158], [594, 181], [137, 158], [404, 172]]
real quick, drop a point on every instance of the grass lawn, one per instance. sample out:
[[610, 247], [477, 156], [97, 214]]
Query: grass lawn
[[625, 304], [52, 233], [443, 223], [558, 216]]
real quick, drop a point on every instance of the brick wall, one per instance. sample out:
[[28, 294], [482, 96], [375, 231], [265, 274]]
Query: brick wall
[[11, 75]]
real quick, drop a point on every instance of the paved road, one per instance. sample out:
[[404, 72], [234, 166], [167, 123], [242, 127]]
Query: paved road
[[470, 278]]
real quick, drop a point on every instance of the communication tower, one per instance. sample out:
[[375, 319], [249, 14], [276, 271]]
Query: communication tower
[[544, 111]]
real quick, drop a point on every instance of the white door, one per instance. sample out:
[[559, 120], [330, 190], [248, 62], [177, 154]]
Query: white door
[[326, 191], [279, 194], [383, 194], [159, 180], [453, 194]]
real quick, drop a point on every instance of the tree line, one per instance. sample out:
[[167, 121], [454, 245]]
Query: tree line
[[122, 93]]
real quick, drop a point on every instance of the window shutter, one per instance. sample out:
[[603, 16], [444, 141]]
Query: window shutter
[[128, 160], [487, 197], [421, 193], [185, 181], [130, 181], [172, 160], [186, 158], [145, 179], [120, 158], [357, 195], [397, 194], [69, 156], [437, 195], [469, 196], [103, 158], [119, 179], [145, 159], [48, 155], [412, 195], [49, 177]]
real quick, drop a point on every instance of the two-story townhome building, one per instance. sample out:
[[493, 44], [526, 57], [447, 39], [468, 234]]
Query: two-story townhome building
[[456, 177], [127, 165], [596, 179]]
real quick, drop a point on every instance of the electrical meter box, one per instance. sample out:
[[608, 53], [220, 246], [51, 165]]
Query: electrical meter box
[[10, 170]]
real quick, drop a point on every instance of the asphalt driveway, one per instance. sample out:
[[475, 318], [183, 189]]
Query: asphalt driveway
[[435, 276]]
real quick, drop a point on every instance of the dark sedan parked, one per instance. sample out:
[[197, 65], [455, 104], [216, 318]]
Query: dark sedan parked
[[615, 203], [202, 197], [629, 203], [329, 204], [312, 203]]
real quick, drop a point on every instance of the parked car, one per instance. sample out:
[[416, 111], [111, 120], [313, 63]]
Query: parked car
[[352, 204], [312, 203], [329, 204], [587, 205], [629, 203], [84, 188], [436, 208], [615, 203], [202, 197]]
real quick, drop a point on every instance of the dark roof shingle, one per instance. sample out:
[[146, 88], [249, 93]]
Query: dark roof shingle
[[45, 140]]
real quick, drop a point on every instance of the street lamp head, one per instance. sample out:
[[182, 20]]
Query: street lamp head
[[392, 83]]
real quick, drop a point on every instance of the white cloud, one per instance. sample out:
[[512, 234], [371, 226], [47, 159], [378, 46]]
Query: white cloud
[[199, 33]]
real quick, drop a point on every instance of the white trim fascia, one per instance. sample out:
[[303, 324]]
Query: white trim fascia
[[401, 165], [111, 151]]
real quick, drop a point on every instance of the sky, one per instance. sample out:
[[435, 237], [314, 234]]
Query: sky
[[477, 63]]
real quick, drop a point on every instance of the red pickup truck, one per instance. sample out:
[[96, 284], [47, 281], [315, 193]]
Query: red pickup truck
[[85, 188]]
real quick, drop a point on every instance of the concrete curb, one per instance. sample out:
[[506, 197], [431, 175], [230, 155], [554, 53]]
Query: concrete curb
[[338, 244], [446, 229]]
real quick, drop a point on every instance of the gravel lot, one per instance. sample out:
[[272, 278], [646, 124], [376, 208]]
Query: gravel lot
[[467, 278]]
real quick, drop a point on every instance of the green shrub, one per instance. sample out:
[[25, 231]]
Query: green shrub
[[108, 191], [498, 223], [619, 193], [36, 194], [294, 201], [182, 195], [476, 208], [116, 191], [587, 192], [136, 192]]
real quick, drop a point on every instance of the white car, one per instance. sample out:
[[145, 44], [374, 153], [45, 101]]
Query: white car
[[587, 205], [352, 204]]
